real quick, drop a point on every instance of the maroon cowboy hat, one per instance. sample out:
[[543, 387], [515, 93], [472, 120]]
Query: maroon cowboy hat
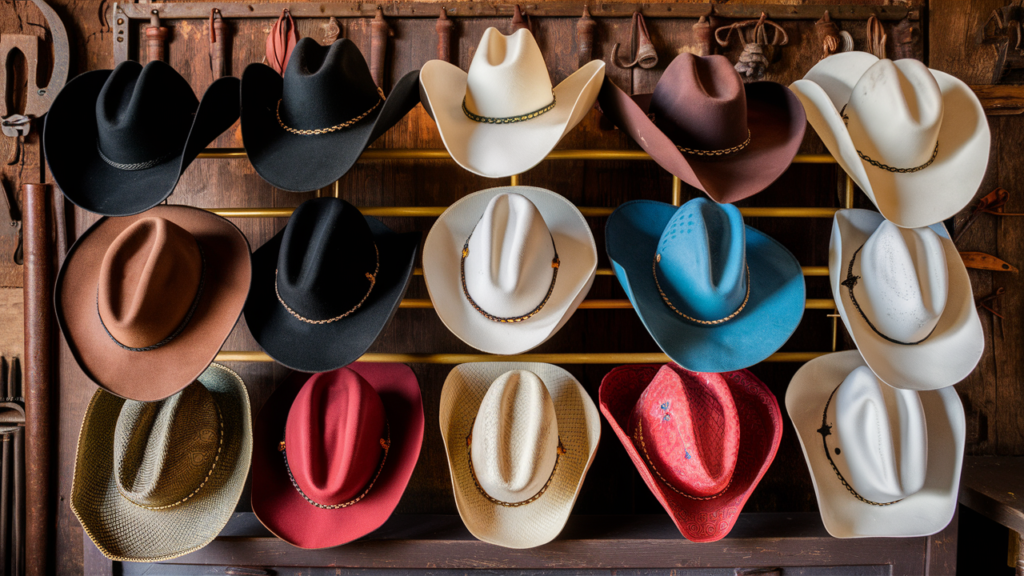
[[701, 441], [705, 126], [333, 452]]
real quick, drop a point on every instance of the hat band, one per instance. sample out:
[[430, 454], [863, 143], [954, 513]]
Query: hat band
[[850, 282], [181, 326], [385, 443], [213, 466], [373, 282], [508, 119], [472, 472], [135, 166], [722, 152], [886, 167], [555, 263], [643, 449], [826, 431], [690, 318], [328, 130]]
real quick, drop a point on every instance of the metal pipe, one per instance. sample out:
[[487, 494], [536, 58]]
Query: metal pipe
[[677, 191], [619, 304], [563, 358], [807, 270], [435, 211]]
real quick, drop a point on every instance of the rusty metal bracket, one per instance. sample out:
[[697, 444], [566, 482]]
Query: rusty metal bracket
[[39, 98], [1003, 28]]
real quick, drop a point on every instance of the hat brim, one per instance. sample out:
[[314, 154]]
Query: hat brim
[[158, 373], [921, 514], [324, 347], [952, 350], [275, 153], [776, 122], [579, 431], [908, 200], [760, 434], [126, 532], [771, 315], [442, 252], [501, 150], [90, 183], [283, 510]]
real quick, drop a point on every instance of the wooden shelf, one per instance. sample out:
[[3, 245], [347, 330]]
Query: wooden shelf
[[994, 487]]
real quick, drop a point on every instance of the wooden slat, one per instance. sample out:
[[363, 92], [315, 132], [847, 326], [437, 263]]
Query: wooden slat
[[994, 487]]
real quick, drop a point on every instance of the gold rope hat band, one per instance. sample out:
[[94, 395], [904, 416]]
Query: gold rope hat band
[[330, 129], [643, 449], [373, 282], [723, 152], [690, 318], [509, 119], [469, 457]]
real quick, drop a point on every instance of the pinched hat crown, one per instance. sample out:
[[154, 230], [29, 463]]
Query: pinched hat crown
[[508, 77]]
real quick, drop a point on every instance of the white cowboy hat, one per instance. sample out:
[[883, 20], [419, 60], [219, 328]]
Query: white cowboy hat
[[503, 116], [520, 438], [884, 462], [905, 297], [915, 140], [506, 267]]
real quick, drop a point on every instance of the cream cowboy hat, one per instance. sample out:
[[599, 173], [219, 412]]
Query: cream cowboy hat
[[905, 297], [503, 116], [884, 462], [520, 438], [507, 267], [915, 140]]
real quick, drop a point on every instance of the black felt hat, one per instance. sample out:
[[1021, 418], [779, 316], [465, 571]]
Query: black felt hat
[[118, 140], [326, 286], [304, 131]]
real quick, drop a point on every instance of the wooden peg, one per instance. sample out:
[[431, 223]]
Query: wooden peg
[[444, 36], [585, 28], [378, 47], [219, 40], [518, 22], [156, 36]]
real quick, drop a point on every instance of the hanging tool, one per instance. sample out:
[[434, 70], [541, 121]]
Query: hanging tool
[[332, 31], [982, 261], [281, 41], [1008, 37], [876, 37], [831, 38], [518, 22], [379, 32], [220, 38], [703, 37], [10, 221], [156, 38], [444, 36], [642, 50], [758, 52], [585, 28], [992, 203]]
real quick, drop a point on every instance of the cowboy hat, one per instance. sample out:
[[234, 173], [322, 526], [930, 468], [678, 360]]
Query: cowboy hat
[[503, 116], [326, 286], [905, 297], [334, 452], [715, 295], [884, 462], [915, 140], [520, 438], [507, 267], [146, 301], [320, 116], [158, 480], [701, 442], [705, 126], [117, 140]]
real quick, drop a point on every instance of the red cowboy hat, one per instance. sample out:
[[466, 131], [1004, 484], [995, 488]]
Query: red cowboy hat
[[368, 420], [701, 441]]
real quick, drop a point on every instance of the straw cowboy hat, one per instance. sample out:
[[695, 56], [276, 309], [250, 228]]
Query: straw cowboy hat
[[503, 116], [507, 267], [146, 301], [705, 126], [306, 130], [520, 438], [701, 442], [905, 297], [334, 452], [715, 295], [915, 140], [117, 140], [326, 286], [884, 462], [158, 480]]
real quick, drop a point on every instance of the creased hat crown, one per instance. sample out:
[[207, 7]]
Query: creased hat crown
[[508, 76], [326, 85]]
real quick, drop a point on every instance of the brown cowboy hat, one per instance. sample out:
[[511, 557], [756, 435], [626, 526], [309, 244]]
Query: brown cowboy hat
[[704, 125], [146, 301]]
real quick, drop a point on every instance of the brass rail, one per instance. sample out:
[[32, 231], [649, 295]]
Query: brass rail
[[599, 304], [807, 270], [591, 211], [563, 358]]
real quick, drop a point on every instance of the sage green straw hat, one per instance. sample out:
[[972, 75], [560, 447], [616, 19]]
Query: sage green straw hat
[[158, 480]]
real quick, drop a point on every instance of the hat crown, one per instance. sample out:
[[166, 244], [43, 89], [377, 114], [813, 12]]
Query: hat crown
[[508, 76], [143, 114], [165, 451], [508, 269], [327, 250], [895, 112], [905, 281], [701, 103], [326, 85], [333, 436], [881, 436], [515, 437], [701, 260], [149, 280]]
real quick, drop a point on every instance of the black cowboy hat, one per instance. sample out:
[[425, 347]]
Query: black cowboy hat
[[320, 116], [326, 286], [118, 140]]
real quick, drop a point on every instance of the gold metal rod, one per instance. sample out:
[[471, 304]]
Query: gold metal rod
[[564, 358], [602, 304], [848, 192], [435, 211], [514, 180], [807, 270], [677, 191]]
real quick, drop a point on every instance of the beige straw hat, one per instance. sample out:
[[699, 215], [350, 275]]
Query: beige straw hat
[[158, 480], [520, 438]]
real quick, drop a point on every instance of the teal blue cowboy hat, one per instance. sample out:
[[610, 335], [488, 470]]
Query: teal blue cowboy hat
[[715, 295]]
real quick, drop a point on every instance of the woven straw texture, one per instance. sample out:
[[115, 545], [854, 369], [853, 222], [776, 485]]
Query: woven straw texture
[[124, 531], [579, 429]]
